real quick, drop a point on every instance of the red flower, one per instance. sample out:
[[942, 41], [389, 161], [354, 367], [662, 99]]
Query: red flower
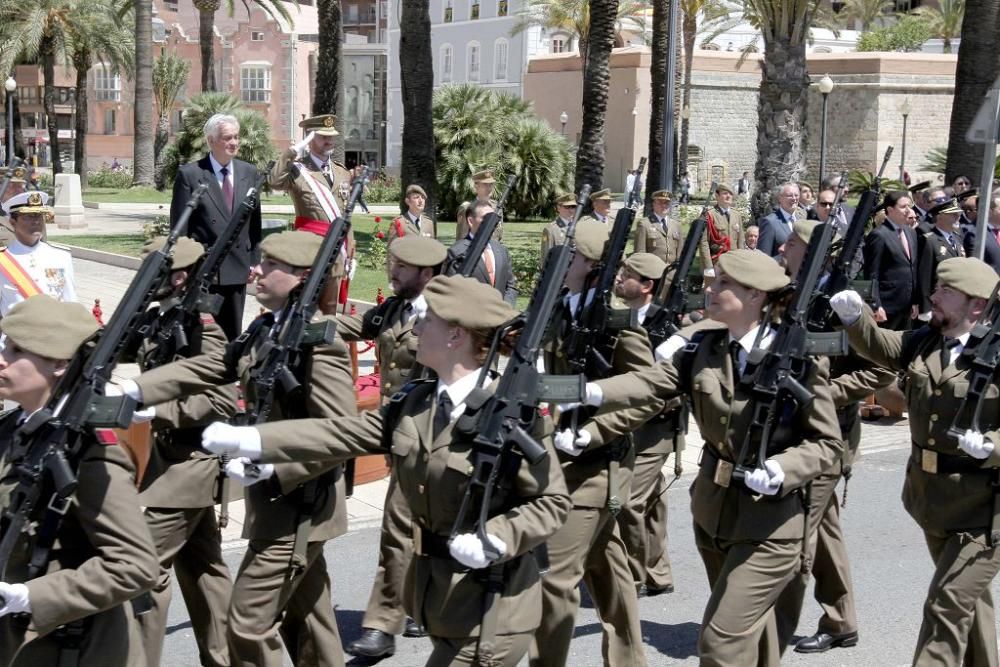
[[379, 235], [377, 219]]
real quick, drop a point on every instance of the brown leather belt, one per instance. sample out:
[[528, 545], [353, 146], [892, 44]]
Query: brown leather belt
[[938, 463]]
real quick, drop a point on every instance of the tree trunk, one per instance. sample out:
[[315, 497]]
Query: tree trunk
[[49, 103], [590, 152], [658, 92], [781, 113], [206, 38], [142, 114], [416, 72], [81, 63], [329, 69], [159, 143], [690, 30], [20, 148]]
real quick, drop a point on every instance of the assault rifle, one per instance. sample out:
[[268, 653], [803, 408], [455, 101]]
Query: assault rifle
[[590, 343], [984, 350], [169, 328], [465, 263], [46, 449], [499, 424]]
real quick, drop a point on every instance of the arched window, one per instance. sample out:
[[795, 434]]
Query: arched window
[[473, 59], [500, 49]]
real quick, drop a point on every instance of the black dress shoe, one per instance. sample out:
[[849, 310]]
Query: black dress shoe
[[647, 591], [413, 629], [373, 644], [822, 641]]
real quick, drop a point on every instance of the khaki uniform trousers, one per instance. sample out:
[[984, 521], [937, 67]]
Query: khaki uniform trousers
[[385, 604], [643, 523], [268, 599], [588, 548], [959, 625], [738, 627], [189, 541], [507, 651], [831, 570]]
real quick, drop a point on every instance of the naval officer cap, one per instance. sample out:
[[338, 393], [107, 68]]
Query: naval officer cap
[[590, 238], [297, 249], [968, 275], [450, 298], [646, 265], [31, 201], [753, 269], [48, 327], [187, 251], [417, 250], [321, 125]]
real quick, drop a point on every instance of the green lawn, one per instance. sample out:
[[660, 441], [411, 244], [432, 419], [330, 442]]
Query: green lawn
[[152, 196]]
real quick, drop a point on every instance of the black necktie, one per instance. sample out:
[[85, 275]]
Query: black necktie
[[734, 352], [443, 414], [948, 345]]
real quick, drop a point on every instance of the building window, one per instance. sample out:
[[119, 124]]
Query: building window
[[500, 60], [352, 14], [107, 84], [170, 5], [256, 35], [473, 61], [502, 8], [447, 58], [558, 45], [449, 11], [474, 10], [255, 83], [109, 121]]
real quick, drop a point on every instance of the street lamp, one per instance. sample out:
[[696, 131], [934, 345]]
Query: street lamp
[[904, 109], [825, 87], [10, 85], [564, 118]]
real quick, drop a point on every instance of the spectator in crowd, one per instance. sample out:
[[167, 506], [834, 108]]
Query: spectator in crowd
[[890, 260]]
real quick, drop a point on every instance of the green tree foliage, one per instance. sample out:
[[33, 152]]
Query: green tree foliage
[[908, 34], [475, 128], [945, 20], [170, 73], [867, 12], [937, 160], [255, 132]]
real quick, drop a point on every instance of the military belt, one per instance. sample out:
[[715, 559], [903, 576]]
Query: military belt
[[719, 469], [616, 451], [938, 463], [427, 543]]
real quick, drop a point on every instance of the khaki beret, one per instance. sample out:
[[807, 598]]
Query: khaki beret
[[187, 251], [467, 302], [646, 264], [968, 275], [485, 176], [418, 250], [948, 206], [31, 201], [568, 199], [415, 189], [804, 228], [722, 187], [662, 194], [604, 194], [590, 238], [321, 125], [297, 249], [753, 269], [47, 327]]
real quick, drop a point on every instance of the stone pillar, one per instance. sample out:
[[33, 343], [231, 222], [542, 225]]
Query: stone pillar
[[69, 202]]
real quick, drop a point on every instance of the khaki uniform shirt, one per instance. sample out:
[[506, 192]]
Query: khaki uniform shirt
[[661, 239], [733, 228], [554, 234], [405, 224], [390, 325]]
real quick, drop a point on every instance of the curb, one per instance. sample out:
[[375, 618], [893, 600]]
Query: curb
[[100, 256]]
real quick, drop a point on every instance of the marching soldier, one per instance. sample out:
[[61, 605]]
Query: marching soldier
[[483, 183], [314, 187], [597, 461], [29, 265], [643, 520], [944, 240], [414, 221], [951, 487], [282, 589], [413, 262], [448, 584], [554, 233], [178, 489], [77, 610], [658, 234]]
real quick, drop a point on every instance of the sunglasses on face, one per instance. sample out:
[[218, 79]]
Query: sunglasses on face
[[824, 203]]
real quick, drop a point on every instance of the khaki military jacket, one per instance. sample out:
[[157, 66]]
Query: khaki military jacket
[[392, 330], [733, 229], [405, 224], [937, 502], [103, 557], [273, 505], [723, 411], [433, 474], [554, 234], [651, 237], [180, 474]]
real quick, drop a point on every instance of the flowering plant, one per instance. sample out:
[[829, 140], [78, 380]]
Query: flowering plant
[[374, 257]]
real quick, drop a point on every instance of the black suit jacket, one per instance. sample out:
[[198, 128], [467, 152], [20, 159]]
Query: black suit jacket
[[934, 249], [211, 215], [991, 250], [895, 276], [503, 271]]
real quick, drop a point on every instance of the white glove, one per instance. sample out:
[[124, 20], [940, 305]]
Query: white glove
[[593, 395], [573, 444], [15, 599], [708, 273], [246, 473], [847, 305], [112, 390], [352, 267], [127, 387], [767, 480], [147, 414], [924, 317], [468, 550], [299, 147], [975, 445], [222, 438]]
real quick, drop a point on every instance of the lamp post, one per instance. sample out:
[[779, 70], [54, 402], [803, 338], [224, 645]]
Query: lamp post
[[564, 118], [825, 87], [904, 109], [10, 85]]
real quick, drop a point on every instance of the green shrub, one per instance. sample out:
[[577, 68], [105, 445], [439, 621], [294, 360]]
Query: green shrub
[[110, 177], [383, 189], [160, 226], [937, 160], [860, 180], [908, 34]]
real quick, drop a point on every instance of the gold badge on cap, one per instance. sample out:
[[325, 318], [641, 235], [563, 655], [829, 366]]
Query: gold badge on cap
[[328, 122], [34, 199], [19, 172]]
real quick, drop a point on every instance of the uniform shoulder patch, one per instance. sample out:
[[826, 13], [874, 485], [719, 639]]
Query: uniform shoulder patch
[[105, 436]]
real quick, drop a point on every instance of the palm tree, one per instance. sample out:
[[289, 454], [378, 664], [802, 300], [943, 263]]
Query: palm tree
[[143, 158], [327, 97], [946, 21], [658, 90], [867, 12], [601, 37], [95, 32], [416, 76], [170, 74]]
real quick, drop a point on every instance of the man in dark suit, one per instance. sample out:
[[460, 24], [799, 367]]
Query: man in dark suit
[[991, 248], [777, 225], [890, 260], [494, 267], [228, 180], [942, 242]]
